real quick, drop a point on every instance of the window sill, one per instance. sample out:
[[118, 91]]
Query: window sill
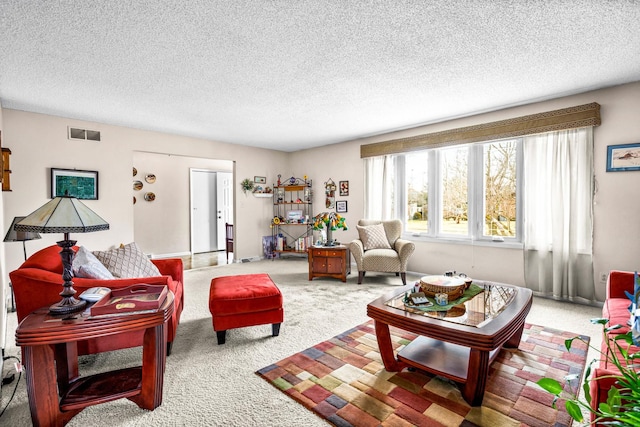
[[450, 240]]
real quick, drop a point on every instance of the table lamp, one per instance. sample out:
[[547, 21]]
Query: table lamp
[[20, 236], [64, 214]]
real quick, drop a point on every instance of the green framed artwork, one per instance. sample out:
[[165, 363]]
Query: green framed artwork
[[76, 183]]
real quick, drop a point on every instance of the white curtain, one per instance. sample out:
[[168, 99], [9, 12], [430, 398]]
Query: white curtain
[[378, 187], [558, 214]]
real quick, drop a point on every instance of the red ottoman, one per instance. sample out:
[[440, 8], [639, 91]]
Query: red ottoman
[[244, 300]]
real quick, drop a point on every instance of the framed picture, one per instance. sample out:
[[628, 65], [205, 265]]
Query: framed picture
[[624, 157], [341, 206], [344, 188], [76, 183], [260, 179]]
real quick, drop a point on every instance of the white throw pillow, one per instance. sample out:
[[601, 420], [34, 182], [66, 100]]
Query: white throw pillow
[[127, 261], [373, 237], [85, 264]]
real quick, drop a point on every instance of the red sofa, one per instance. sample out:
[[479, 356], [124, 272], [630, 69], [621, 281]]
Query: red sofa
[[38, 282], [616, 309]]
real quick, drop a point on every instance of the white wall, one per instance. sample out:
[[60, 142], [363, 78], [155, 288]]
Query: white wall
[[162, 226], [4, 281], [39, 142], [617, 201]]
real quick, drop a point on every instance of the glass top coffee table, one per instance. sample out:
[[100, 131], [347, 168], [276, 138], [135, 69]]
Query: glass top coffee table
[[459, 343]]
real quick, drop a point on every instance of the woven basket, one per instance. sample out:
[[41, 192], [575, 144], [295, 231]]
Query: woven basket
[[452, 286]]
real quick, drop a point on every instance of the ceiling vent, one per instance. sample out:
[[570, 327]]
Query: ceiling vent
[[90, 135]]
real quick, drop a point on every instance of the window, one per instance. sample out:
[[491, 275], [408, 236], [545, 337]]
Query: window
[[463, 192]]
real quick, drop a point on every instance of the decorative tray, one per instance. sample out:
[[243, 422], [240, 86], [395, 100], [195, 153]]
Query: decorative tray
[[452, 286], [132, 299]]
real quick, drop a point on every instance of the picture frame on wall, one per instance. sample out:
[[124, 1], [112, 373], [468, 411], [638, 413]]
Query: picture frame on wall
[[344, 188], [81, 184], [260, 179], [341, 206], [624, 157]]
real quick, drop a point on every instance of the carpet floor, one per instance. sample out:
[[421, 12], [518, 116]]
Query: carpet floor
[[343, 381], [206, 384]]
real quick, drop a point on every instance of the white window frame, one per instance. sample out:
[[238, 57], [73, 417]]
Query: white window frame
[[475, 199]]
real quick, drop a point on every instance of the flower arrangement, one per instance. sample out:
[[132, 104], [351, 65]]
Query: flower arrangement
[[623, 401], [246, 185], [332, 221]]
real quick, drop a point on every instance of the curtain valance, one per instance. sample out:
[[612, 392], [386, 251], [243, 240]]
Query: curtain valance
[[562, 119]]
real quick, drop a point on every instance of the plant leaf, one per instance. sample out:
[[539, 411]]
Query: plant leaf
[[574, 410], [550, 385]]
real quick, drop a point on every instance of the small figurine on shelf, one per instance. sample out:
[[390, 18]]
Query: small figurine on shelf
[[279, 182]]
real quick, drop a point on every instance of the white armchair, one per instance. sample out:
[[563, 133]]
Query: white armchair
[[381, 249]]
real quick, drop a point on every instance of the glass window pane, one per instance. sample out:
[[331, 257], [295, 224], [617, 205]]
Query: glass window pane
[[416, 191], [453, 170], [500, 189]]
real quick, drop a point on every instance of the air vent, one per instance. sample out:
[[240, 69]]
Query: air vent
[[90, 135]]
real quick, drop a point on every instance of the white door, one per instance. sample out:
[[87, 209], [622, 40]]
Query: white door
[[224, 201], [204, 222]]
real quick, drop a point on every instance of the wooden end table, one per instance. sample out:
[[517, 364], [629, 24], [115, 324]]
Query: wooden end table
[[50, 356], [329, 261], [458, 344]]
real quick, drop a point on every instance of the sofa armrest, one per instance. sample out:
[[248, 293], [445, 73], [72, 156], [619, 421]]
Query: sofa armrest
[[404, 248], [357, 250], [35, 288], [170, 267], [618, 282]]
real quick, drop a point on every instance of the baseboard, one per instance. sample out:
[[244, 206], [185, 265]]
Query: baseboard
[[169, 255]]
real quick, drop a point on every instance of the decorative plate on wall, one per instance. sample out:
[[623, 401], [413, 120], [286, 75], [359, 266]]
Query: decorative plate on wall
[[150, 178], [149, 197], [134, 200], [137, 185], [135, 171]]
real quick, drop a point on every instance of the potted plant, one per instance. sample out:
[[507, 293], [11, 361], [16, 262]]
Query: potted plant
[[622, 407], [247, 185]]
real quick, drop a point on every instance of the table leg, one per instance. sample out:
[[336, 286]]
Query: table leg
[[40, 372], [383, 336], [478, 371], [66, 355], [153, 362], [514, 341]]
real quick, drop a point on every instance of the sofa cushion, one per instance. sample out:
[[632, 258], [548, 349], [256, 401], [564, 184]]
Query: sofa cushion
[[617, 311], [127, 261], [373, 237], [85, 264]]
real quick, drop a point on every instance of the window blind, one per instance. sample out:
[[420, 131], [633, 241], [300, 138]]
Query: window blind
[[562, 119]]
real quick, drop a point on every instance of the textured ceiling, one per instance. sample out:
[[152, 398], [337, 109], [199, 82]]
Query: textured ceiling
[[301, 73]]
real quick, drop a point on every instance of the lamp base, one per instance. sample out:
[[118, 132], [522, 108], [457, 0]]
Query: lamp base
[[67, 305]]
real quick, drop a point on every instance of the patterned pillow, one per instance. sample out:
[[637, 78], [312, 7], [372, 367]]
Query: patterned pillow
[[373, 237], [85, 264], [127, 261]]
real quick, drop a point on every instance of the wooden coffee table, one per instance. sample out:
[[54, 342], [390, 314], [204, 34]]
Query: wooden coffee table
[[458, 344]]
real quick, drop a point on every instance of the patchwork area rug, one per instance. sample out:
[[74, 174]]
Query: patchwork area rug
[[343, 381]]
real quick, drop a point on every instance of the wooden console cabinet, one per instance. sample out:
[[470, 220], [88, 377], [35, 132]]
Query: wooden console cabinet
[[329, 262]]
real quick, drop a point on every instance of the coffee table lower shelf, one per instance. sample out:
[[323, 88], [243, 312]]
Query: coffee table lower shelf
[[440, 358]]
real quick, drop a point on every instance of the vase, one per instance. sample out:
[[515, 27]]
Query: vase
[[330, 241]]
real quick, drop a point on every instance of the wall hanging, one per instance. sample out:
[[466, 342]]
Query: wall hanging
[[330, 190], [76, 183]]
